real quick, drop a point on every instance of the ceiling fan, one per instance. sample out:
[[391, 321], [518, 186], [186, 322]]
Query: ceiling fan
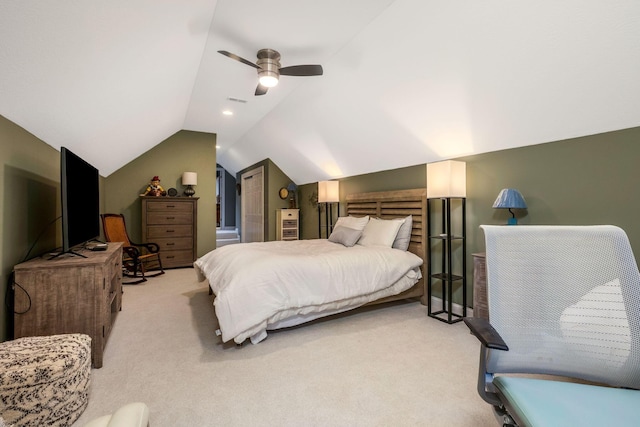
[[269, 70]]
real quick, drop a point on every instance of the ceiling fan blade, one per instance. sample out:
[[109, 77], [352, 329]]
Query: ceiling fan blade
[[301, 70], [261, 90], [237, 58]]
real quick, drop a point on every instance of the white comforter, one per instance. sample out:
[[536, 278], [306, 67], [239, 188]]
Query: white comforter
[[260, 286]]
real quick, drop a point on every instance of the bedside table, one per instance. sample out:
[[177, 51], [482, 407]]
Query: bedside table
[[480, 302]]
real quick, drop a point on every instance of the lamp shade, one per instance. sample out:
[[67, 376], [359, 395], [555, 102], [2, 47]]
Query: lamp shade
[[328, 191], [446, 179], [510, 198], [189, 178]]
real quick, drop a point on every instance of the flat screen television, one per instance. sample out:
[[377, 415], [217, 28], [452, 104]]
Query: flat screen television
[[80, 190]]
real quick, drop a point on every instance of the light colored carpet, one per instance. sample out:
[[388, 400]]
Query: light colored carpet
[[385, 366]]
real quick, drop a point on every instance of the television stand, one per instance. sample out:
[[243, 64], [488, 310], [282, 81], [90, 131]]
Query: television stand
[[69, 252], [70, 295]]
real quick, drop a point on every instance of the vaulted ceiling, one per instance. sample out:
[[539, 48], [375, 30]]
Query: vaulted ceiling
[[405, 82]]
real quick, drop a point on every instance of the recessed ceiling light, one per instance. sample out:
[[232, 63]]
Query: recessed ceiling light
[[217, 146], [227, 113]]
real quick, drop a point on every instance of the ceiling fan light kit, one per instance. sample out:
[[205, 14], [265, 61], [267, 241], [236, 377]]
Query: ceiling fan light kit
[[269, 69], [268, 78], [269, 63]]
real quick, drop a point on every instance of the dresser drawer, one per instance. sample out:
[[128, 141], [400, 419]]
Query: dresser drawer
[[289, 223], [176, 258], [289, 234], [153, 205], [173, 231], [169, 218], [175, 244]]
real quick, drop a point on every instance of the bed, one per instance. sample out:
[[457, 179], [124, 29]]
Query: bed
[[265, 286]]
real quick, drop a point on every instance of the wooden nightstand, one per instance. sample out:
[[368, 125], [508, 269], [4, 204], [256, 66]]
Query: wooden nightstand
[[287, 224], [480, 302]]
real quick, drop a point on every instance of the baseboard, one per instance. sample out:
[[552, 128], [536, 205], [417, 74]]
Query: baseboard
[[456, 308]]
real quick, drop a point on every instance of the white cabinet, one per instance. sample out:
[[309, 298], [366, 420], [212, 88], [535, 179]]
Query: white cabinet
[[287, 224]]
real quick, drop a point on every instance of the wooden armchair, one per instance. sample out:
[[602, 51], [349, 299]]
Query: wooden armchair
[[137, 258]]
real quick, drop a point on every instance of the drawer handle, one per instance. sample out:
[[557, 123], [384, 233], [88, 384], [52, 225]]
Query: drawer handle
[[171, 217], [171, 231], [170, 206], [170, 244], [170, 256]]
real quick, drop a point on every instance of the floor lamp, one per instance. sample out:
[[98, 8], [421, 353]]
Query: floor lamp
[[446, 183], [328, 193]]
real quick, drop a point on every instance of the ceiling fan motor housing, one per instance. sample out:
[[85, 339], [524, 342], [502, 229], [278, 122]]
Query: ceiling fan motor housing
[[269, 71], [269, 63]]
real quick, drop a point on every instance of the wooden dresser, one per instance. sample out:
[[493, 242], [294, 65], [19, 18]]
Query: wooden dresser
[[70, 294], [171, 223], [480, 303]]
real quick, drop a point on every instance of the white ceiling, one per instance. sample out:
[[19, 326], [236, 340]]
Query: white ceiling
[[405, 82]]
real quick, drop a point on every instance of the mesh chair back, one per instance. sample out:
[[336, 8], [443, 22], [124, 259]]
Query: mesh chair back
[[566, 299], [114, 229]]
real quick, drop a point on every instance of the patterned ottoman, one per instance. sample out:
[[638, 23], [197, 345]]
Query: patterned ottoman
[[44, 381]]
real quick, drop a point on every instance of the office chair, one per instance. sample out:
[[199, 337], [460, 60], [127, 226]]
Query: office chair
[[564, 314], [137, 258]]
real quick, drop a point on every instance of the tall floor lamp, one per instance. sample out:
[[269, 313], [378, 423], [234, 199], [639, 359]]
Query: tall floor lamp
[[446, 182], [328, 193]]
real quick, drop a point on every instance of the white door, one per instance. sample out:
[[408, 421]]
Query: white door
[[252, 205]]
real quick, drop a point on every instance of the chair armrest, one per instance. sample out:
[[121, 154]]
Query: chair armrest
[[487, 335], [131, 251], [151, 247], [131, 415]]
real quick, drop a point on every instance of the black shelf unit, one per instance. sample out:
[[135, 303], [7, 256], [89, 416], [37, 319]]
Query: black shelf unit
[[445, 275]]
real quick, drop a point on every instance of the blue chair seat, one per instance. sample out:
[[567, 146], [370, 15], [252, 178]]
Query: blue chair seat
[[534, 402]]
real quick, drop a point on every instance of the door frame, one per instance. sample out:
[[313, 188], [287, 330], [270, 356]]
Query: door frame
[[244, 176]]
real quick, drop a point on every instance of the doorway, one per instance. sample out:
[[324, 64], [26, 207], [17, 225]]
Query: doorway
[[252, 205]]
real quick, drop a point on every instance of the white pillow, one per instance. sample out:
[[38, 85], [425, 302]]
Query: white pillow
[[345, 236], [403, 238], [353, 222], [380, 232]]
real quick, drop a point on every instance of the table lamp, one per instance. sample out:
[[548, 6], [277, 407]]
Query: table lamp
[[510, 198], [189, 179]]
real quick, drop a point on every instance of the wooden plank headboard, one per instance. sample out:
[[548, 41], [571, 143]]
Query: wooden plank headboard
[[398, 204]]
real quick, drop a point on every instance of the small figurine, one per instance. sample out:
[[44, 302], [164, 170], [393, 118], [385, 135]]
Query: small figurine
[[154, 188]]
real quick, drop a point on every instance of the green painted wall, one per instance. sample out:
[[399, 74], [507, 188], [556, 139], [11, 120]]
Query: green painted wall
[[185, 151], [581, 181], [30, 194], [30, 209], [395, 179]]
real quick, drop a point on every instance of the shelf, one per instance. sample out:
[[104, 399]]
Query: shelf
[[439, 237], [445, 277], [444, 239], [438, 315]]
